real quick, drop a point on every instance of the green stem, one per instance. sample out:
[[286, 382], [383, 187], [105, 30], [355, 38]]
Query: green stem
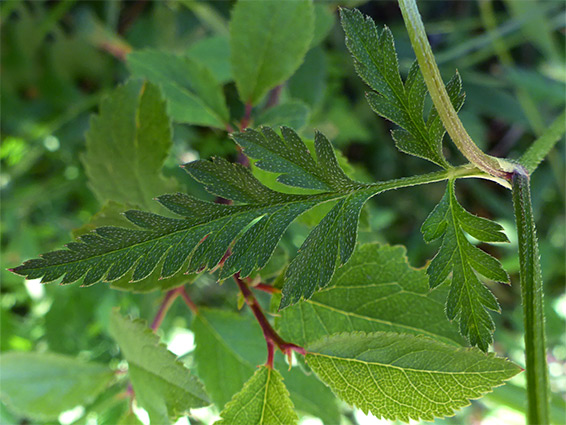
[[532, 299], [454, 127], [540, 147]]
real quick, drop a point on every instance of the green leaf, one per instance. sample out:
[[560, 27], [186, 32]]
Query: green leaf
[[214, 53], [293, 114], [193, 95], [376, 62], [268, 41], [468, 299], [309, 82], [251, 227], [163, 385], [263, 400], [226, 360], [111, 214], [404, 377], [126, 145], [324, 19], [43, 385], [376, 291]]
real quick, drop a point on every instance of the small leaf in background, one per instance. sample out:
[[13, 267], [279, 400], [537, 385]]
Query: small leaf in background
[[163, 386], [309, 82], [376, 291], [468, 299], [226, 360], [293, 114], [268, 41], [263, 400], [43, 385], [214, 53], [126, 145], [192, 92], [324, 20], [404, 377]]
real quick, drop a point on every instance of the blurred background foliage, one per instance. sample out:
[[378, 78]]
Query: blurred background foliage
[[60, 58]]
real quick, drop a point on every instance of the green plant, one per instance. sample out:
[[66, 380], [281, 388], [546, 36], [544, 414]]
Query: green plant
[[399, 342]]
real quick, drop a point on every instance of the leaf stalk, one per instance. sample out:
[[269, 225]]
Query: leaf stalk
[[272, 338], [415, 27]]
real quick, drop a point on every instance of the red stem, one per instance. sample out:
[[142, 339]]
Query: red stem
[[267, 288], [272, 338], [247, 116], [274, 97], [168, 302]]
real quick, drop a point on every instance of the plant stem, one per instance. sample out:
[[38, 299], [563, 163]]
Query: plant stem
[[167, 302], [247, 116], [541, 146], [272, 338], [440, 98], [532, 299]]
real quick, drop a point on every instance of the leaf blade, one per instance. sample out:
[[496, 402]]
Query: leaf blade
[[405, 377]]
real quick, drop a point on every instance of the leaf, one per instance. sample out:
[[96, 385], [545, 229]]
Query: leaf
[[192, 92], [163, 385], [324, 19], [294, 114], [376, 291], [43, 385], [268, 41], [263, 400], [404, 377], [376, 62], [468, 299], [214, 53], [226, 360], [111, 215], [256, 222], [309, 82], [126, 145]]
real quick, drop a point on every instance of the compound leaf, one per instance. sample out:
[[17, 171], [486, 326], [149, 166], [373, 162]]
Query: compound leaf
[[376, 291], [401, 376], [376, 62], [268, 41], [468, 299], [251, 227], [163, 385], [264, 400], [44, 385], [126, 145], [192, 92], [220, 352]]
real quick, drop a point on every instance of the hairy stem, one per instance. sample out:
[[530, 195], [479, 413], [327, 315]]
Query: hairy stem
[[454, 127], [533, 303], [272, 338]]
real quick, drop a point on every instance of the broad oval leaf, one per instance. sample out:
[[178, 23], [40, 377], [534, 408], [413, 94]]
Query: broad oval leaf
[[164, 387], [193, 95], [376, 291], [43, 385], [404, 377], [264, 400], [268, 41], [127, 143]]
